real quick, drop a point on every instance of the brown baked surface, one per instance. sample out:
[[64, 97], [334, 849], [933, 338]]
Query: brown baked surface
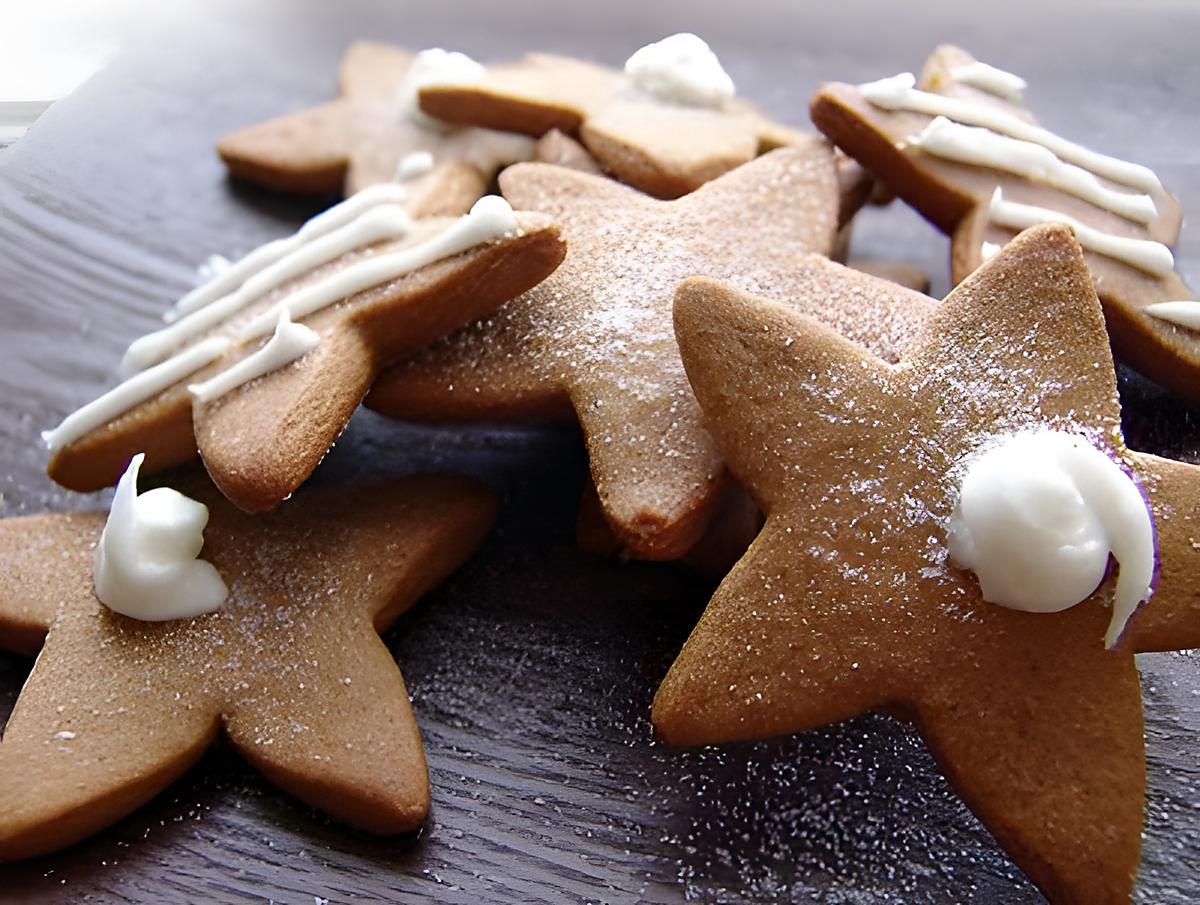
[[262, 440], [955, 197], [595, 338], [357, 140], [291, 669], [662, 149], [844, 603]]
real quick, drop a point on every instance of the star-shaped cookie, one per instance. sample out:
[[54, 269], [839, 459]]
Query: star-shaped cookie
[[260, 441], [291, 669], [595, 338], [663, 149], [927, 163], [845, 602], [360, 139]]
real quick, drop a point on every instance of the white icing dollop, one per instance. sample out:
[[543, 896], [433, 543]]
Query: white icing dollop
[[146, 564], [987, 78], [413, 166], [1036, 519], [435, 66], [288, 343], [681, 69]]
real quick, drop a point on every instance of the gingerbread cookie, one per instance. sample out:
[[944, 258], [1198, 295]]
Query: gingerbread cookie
[[371, 286], [855, 185], [595, 339], [374, 133], [993, 448], [965, 152], [667, 124], [561, 149], [735, 522], [906, 275], [289, 666]]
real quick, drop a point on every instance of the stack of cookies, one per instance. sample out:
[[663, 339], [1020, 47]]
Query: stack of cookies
[[917, 507]]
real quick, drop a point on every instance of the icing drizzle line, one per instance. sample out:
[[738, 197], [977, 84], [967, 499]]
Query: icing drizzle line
[[288, 343], [135, 390], [1152, 257], [898, 93], [1184, 313], [383, 222], [490, 218], [981, 147], [987, 78], [323, 223]]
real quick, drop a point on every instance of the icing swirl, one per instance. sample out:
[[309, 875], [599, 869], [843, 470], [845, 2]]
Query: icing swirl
[[146, 564], [1036, 519]]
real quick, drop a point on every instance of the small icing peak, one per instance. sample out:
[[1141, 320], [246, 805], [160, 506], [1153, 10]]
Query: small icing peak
[[681, 69], [1184, 312], [289, 342], [435, 67], [1036, 519], [146, 564], [890, 93], [987, 78], [414, 166], [490, 218]]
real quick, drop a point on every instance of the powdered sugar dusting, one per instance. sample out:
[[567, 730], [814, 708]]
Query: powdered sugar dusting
[[601, 328]]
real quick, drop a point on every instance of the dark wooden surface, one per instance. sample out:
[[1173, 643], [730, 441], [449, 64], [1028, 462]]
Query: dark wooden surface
[[532, 670]]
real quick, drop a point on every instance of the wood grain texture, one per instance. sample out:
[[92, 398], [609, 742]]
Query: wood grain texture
[[532, 670]]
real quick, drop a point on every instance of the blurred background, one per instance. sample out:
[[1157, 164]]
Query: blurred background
[[1094, 68]]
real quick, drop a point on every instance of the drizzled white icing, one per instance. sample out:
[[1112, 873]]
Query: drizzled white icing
[[1144, 254], [435, 67], [1036, 519], [982, 147], [490, 218], [212, 266], [680, 69], [134, 391], [237, 273], [413, 166], [990, 79], [1184, 312], [289, 342], [378, 223], [146, 564], [898, 93]]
